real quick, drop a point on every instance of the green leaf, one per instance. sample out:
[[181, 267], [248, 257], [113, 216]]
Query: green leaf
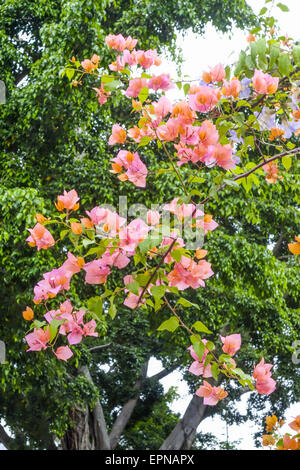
[[215, 371], [70, 73], [63, 233], [296, 54], [143, 94], [199, 326], [53, 327], [210, 345], [283, 7], [274, 53], [95, 305], [144, 141], [187, 303], [199, 348], [107, 78], [262, 11], [133, 287], [261, 49], [112, 85], [284, 64], [158, 291], [287, 162], [112, 309], [186, 88], [170, 325], [177, 254]]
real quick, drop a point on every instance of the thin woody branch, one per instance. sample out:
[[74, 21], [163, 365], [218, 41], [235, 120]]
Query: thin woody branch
[[247, 173]]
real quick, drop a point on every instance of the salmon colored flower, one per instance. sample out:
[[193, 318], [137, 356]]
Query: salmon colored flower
[[135, 86], [146, 58], [63, 353], [251, 38], [295, 425], [76, 228], [197, 367], [118, 135], [223, 156], [102, 94], [295, 247], [160, 82], [28, 314], [231, 344], [88, 65], [268, 440], [38, 339], [40, 237], [216, 74], [263, 83], [232, 88], [211, 394], [204, 100], [69, 200], [73, 265], [96, 272], [272, 172]]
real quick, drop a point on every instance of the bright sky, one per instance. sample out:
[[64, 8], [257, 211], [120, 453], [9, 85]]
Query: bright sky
[[199, 53]]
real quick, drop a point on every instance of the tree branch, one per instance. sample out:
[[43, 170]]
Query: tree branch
[[5, 438], [102, 439], [127, 410], [247, 173], [278, 243], [184, 432]]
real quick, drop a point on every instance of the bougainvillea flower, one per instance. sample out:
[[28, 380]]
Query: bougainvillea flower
[[211, 394], [38, 339], [295, 425], [133, 234], [96, 272], [208, 134], [58, 279], [162, 107], [187, 273], [231, 344], [28, 314], [232, 88], [263, 83], [73, 265], [216, 74], [40, 237], [160, 82], [180, 210], [147, 58], [295, 247], [68, 201], [119, 43], [63, 353], [265, 387], [89, 328], [117, 258], [168, 131], [204, 100], [197, 367], [271, 169], [97, 215], [135, 86], [118, 135], [102, 94], [262, 370]]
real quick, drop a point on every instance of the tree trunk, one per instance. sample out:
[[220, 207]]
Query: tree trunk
[[183, 435]]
